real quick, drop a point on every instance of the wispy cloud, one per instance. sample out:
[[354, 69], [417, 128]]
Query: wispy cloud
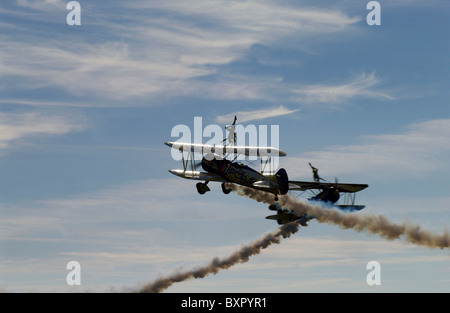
[[42, 5], [17, 126], [246, 116], [161, 55], [49, 103], [362, 86], [104, 70], [423, 148], [257, 17]]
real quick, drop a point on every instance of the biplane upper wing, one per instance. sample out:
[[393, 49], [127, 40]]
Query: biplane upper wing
[[221, 149], [196, 175], [306, 185]]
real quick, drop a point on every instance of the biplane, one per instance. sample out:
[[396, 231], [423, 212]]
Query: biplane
[[327, 194], [217, 167]]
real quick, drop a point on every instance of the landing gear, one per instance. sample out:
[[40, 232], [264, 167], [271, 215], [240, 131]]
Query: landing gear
[[225, 189], [202, 187]]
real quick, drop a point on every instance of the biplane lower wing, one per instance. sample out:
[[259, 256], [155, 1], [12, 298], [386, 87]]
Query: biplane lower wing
[[196, 175], [350, 207], [306, 185]]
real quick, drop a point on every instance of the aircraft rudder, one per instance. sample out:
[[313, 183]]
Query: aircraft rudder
[[283, 181]]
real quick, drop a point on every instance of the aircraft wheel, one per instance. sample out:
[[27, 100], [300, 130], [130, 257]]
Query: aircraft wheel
[[273, 207], [225, 189], [202, 188]]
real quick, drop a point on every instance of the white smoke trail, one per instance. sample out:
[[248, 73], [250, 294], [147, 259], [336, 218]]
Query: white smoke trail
[[375, 224], [240, 256]]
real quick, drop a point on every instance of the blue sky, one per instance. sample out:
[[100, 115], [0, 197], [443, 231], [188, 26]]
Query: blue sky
[[84, 112]]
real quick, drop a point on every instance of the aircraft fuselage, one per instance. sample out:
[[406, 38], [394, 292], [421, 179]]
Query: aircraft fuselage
[[233, 172]]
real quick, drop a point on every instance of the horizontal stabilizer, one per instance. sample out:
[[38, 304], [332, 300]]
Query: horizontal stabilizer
[[273, 217]]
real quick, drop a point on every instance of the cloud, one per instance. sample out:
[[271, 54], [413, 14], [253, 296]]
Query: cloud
[[245, 116], [106, 70], [135, 232], [139, 225], [138, 206], [423, 148], [258, 18], [17, 126], [362, 86], [158, 55], [42, 5], [46, 103]]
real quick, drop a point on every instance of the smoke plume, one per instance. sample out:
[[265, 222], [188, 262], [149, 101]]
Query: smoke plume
[[374, 224], [240, 256]]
